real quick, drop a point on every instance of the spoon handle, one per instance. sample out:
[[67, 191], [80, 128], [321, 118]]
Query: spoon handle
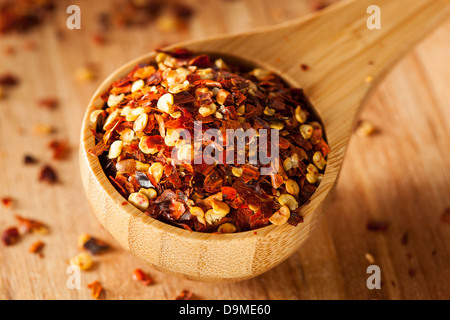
[[347, 56]]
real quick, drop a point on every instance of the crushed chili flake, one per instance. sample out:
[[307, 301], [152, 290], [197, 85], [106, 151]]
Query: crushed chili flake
[[43, 129], [374, 225], [60, 149], [93, 245], [7, 202], [304, 67], [28, 160], [8, 80], [184, 295], [10, 236], [141, 276], [146, 158], [84, 74], [97, 291], [31, 226], [48, 103], [36, 247], [48, 175]]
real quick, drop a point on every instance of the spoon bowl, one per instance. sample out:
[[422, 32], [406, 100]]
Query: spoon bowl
[[338, 61]]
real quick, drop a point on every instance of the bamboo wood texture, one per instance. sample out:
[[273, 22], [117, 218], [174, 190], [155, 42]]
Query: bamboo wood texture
[[400, 176], [337, 88]]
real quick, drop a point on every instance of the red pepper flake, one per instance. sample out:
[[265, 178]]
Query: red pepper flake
[[29, 225], [60, 149], [28, 160], [7, 202], [97, 290], [184, 295], [10, 236], [249, 172], [445, 217], [8, 80], [94, 245], [99, 38], [48, 103], [373, 225], [48, 175], [36, 247], [304, 67], [141, 276]]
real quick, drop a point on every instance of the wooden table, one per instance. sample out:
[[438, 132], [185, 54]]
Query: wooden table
[[400, 176]]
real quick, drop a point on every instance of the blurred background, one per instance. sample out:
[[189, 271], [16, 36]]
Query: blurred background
[[392, 205]]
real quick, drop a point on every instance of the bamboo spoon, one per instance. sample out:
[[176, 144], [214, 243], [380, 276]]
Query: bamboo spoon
[[346, 61]]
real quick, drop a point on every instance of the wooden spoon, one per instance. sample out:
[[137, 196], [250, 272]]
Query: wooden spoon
[[345, 59]]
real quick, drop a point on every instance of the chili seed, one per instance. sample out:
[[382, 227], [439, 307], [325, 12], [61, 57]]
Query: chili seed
[[226, 228], [281, 216], [292, 187], [82, 260], [312, 174], [139, 200], [288, 200]]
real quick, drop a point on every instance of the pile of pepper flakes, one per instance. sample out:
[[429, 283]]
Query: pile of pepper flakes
[[136, 133]]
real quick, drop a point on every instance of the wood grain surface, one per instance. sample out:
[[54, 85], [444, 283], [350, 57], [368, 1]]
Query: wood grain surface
[[399, 176]]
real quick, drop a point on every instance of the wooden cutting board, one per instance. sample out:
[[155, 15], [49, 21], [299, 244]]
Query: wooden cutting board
[[400, 176]]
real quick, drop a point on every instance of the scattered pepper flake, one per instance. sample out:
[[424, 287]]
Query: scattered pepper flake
[[48, 175], [43, 129], [365, 129], [84, 74], [60, 149], [83, 260], [36, 247], [31, 226], [373, 225], [29, 160], [93, 245], [50, 103], [7, 202], [97, 291], [141, 276], [10, 236], [8, 80], [184, 295], [304, 67]]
